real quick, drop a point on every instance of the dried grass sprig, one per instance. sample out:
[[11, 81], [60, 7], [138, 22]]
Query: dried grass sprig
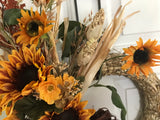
[[53, 34]]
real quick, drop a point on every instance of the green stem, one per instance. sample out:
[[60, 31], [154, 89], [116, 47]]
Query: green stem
[[114, 57]]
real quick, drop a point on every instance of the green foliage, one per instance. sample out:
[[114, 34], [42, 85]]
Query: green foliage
[[81, 79], [71, 38], [10, 16], [33, 108], [115, 99], [72, 25]]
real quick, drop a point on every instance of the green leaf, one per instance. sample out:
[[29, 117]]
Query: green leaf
[[10, 16], [81, 79], [33, 108], [118, 102], [72, 25], [115, 99], [45, 36], [68, 43], [71, 38]]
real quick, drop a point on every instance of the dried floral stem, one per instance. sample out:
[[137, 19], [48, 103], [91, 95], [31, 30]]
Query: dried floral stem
[[55, 58], [58, 6], [53, 51], [7, 37], [110, 35], [66, 25]]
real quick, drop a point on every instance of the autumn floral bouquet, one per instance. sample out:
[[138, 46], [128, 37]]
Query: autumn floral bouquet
[[38, 83]]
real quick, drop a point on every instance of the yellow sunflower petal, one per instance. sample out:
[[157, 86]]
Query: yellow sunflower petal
[[144, 70], [29, 88], [154, 42], [147, 44], [155, 57], [48, 28], [25, 14], [140, 43], [127, 51], [129, 57], [132, 70], [137, 71], [82, 105], [127, 65]]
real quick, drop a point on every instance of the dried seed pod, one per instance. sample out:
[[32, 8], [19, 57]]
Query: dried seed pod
[[93, 34]]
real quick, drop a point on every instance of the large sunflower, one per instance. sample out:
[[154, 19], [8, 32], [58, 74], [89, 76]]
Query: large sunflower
[[73, 111], [141, 57], [32, 27], [21, 74]]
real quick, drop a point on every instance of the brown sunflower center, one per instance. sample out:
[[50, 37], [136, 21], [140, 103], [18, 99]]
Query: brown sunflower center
[[70, 114], [25, 76], [50, 88], [32, 28], [141, 56]]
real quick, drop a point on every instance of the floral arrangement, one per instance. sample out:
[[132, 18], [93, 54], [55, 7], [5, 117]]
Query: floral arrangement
[[37, 83]]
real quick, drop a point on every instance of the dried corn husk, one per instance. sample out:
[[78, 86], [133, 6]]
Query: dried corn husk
[[110, 35], [93, 34]]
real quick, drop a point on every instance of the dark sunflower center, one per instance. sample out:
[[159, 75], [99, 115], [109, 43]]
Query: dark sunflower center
[[141, 56], [33, 28], [70, 114], [25, 76]]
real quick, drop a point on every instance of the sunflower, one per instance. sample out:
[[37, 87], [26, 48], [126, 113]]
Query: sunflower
[[142, 57], [32, 27], [21, 74], [73, 111], [49, 90]]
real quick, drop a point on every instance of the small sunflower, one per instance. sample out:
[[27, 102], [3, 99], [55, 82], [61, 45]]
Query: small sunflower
[[21, 74], [141, 57], [73, 111], [49, 90], [32, 27]]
